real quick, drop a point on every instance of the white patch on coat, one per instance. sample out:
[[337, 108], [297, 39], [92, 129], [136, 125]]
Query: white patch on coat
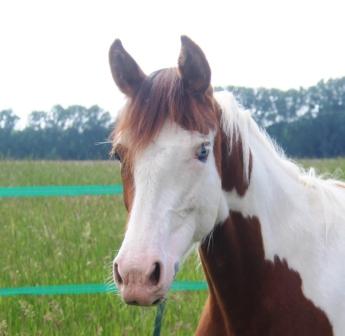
[[302, 216]]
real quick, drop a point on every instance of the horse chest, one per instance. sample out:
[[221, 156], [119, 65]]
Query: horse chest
[[253, 295]]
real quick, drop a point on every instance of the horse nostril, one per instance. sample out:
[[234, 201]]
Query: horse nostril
[[155, 275], [117, 275]]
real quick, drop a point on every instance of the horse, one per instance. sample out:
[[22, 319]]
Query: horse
[[196, 168]]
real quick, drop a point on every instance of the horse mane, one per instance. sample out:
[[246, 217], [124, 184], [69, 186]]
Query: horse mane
[[162, 97], [237, 122]]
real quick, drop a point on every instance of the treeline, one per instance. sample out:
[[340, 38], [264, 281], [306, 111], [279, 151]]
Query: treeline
[[305, 122], [319, 137], [73, 133]]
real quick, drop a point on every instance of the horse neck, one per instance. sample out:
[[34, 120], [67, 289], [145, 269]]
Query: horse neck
[[250, 164], [274, 191], [264, 184], [246, 278]]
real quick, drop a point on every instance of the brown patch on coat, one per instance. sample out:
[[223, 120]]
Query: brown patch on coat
[[212, 322], [230, 164], [233, 168], [253, 295], [126, 175]]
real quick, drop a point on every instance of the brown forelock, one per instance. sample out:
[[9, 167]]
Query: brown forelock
[[255, 296], [162, 97]]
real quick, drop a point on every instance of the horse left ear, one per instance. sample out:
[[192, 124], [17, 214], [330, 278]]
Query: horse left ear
[[126, 72], [193, 67]]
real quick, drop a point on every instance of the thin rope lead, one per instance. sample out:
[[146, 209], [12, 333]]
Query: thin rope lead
[[159, 318]]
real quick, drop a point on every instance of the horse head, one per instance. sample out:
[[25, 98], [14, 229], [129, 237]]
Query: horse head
[[167, 139]]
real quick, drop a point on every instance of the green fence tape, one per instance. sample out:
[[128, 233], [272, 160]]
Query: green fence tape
[[177, 286], [69, 190], [58, 290], [186, 286], [83, 190]]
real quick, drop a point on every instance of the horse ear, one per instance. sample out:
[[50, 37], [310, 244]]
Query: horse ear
[[193, 66], [126, 73]]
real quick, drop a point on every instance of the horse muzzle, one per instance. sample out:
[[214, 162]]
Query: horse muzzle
[[142, 283]]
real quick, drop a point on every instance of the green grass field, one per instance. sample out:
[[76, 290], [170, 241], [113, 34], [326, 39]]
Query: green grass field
[[46, 241]]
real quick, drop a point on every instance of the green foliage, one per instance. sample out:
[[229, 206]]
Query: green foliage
[[269, 106], [305, 122], [8, 120], [322, 136]]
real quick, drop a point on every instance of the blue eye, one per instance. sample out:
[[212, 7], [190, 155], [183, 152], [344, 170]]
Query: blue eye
[[202, 152]]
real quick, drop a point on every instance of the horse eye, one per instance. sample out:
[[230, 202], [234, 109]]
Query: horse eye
[[202, 152], [117, 156]]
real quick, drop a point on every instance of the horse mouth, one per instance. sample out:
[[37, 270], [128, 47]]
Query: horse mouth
[[154, 303]]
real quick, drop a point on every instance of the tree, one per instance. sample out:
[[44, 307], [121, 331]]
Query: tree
[[306, 122], [8, 120]]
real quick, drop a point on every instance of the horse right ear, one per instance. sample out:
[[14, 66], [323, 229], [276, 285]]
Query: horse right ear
[[193, 66], [126, 73]]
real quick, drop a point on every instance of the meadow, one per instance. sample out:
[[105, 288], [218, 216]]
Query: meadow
[[70, 240]]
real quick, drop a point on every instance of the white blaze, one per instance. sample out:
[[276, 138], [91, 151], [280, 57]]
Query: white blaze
[[178, 199]]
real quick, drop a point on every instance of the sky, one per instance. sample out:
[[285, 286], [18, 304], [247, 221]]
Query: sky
[[56, 52]]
